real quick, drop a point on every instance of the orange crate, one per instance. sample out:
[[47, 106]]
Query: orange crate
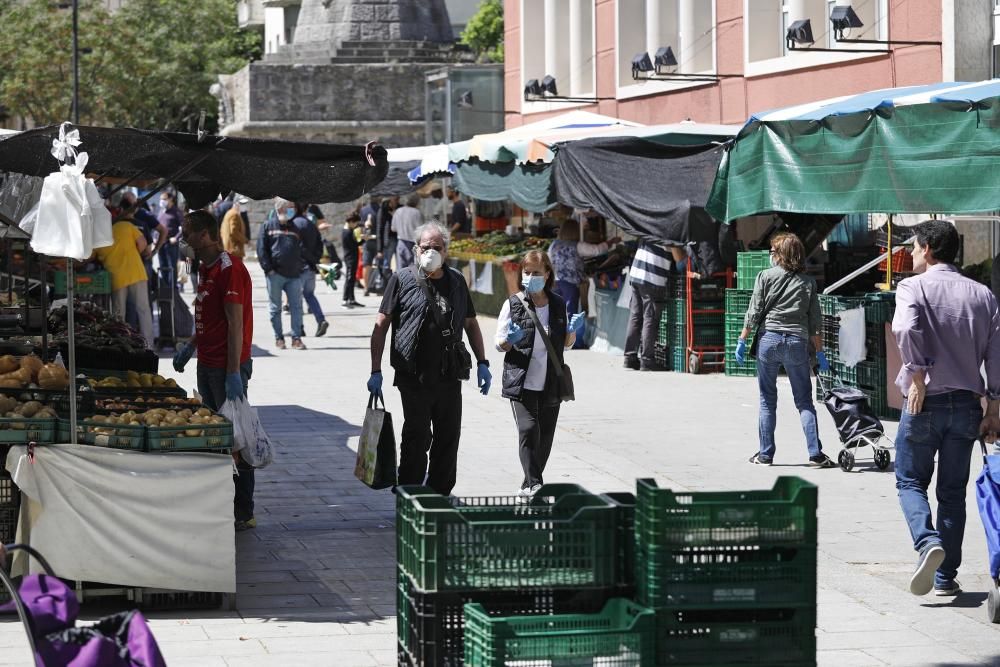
[[902, 262]]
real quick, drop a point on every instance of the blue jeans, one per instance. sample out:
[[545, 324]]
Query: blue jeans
[[792, 352], [948, 426], [309, 294], [292, 288], [212, 387]]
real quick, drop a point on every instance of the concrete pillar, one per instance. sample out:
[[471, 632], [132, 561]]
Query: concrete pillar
[[688, 37], [653, 27], [552, 39], [576, 41]]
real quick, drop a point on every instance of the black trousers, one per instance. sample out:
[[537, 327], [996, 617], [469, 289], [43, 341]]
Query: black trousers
[[432, 425], [350, 277], [536, 421]]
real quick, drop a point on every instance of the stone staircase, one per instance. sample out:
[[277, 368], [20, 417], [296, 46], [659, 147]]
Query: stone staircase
[[364, 52]]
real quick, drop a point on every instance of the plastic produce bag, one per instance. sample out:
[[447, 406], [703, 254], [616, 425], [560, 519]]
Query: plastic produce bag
[[249, 437], [851, 338]]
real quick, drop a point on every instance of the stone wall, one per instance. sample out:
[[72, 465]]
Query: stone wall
[[335, 21]]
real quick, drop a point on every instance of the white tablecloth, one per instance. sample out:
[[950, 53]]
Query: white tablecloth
[[128, 518]]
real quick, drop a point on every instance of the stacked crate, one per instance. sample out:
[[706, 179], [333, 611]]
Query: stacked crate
[[870, 374], [709, 328], [10, 504], [560, 552], [748, 265], [737, 304], [731, 575]]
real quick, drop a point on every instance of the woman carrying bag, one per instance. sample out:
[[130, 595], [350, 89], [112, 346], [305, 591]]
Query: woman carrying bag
[[531, 323], [784, 310]]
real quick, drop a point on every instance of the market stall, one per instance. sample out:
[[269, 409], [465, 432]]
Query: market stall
[[915, 150], [145, 448]]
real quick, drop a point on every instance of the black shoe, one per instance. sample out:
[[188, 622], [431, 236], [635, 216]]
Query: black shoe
[[357, 304], [347, 304], [321, 328], [644, 367], [821, 461], [632, 363], [760, 460]]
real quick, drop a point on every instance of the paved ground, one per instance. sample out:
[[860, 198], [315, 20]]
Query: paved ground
[[316, 578]]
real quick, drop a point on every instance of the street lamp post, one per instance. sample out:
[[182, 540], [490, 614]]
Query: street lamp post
[[76, 62]]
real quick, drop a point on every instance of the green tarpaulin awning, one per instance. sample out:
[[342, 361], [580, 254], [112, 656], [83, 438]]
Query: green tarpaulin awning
[[923, 149]]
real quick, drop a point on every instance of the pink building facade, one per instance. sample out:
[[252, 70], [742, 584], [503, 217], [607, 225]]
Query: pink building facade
[[588, 46]]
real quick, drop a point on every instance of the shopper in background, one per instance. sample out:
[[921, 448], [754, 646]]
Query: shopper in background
[[349, 244], [371, 208], [387, 239], [171, 218], [233, 232], [947, 327], [312, 253], [785, 306], [223, 314], [369, 252], [648, 277], [529, 380], [123, 260], [405, 222], [429, 383], [568, 265], [459, 217], [279, 252]]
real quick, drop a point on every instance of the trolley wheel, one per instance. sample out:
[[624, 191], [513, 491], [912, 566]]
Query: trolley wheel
[[846, 460], [993, 604], [882, 459], [694, 364]]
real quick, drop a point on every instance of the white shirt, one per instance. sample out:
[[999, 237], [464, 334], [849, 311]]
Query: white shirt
[[537, 366], [405, 221]]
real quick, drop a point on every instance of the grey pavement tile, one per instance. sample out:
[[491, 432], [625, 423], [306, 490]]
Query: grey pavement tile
[[209, 647], [206, 661], [846, 658], [274, 601], [865, 640], [309, 659], [276, 629], [267, 576], [924, 656], [331, 643]]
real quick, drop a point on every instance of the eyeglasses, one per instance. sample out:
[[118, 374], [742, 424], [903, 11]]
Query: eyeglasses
[[431, 247]]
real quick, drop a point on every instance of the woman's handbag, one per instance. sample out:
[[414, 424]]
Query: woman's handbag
[[564, 375]]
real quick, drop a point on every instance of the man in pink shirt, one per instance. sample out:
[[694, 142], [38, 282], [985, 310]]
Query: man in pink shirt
[[947, 326]]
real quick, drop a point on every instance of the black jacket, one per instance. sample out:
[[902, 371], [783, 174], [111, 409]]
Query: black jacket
[[312, 243], [279, 248], [515, 363], [412, 309]]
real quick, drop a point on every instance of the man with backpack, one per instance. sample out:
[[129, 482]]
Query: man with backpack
[[279, 252]]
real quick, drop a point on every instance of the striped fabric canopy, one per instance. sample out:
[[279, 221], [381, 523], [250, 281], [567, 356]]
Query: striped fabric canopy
[[916, 149]]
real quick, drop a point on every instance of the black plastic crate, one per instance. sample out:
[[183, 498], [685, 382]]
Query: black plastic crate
[[8, 523], [663, 357], [10, 496], [625, 502], [159, 599], [430, 626]]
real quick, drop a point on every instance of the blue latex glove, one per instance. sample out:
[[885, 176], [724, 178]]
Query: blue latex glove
[[234, 386], [576, 323], [485, 377], [515, 334], [182, 356], [375, 383], [741, 351], [824, 365]]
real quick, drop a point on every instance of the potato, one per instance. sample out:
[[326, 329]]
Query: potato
[[192, 432], [8, 364], [203, 412], [32, 363], [185, 413], [178, 421], [10, 383], [31, 408]]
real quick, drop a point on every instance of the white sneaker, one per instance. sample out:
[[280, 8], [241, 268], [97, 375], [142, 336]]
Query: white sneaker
[[534, 489], [922, 580]]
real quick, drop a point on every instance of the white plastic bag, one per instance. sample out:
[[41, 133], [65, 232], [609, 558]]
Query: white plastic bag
[[851, 337], [249, 437]]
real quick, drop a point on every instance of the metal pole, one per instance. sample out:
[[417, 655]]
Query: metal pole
[[70, 278]]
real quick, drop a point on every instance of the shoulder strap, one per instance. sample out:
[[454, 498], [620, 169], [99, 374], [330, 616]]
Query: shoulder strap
[[432, 304], [553, 359], [773, 298]]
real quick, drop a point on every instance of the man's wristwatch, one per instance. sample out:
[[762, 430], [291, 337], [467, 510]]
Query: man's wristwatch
[[484, 362]]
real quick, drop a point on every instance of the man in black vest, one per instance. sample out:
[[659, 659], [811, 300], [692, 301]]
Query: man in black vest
[[429, 382]]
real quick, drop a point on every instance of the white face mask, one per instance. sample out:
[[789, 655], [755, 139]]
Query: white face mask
[[430, 261]]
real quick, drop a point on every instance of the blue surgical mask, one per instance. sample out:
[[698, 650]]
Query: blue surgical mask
[[532, 284], [290, 212]]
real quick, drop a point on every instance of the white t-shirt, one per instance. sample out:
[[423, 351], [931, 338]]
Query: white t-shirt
[[537, 366]]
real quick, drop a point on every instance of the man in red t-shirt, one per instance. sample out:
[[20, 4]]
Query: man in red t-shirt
[[223, 317]]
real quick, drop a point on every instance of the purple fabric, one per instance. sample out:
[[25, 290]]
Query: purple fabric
[[120, 640], [947, 325]]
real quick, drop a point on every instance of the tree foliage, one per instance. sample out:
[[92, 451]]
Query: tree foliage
[[484, 31], [149, 65]]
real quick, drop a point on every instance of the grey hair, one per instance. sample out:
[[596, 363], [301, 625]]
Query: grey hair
[[413, 200], [433, 226]]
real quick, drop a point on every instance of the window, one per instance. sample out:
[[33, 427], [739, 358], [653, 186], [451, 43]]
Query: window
[[686, 26], [766, 24], [557, 39]]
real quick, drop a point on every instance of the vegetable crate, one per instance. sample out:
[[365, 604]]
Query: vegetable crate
[[620, 635], [748, 265], [190, 438], [431, 628], [834, 305], [22, 430], [778, 637], [563, 537], [734, 327], [624, 502], [662, 356], [113, 436], [738, 302], [98, 282]]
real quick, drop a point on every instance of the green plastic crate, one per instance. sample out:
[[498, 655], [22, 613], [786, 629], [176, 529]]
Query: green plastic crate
[[783, 637], [730, 576], [97, 282], [872, 374], [621, 635], [880, 307], [680, 358], [678, 311], [782, 515], [625, 504], [834, 305], [114, 436], [213, 438], [734, 369], [748, 265], [738, 302], [563, 537], [21, 430]]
